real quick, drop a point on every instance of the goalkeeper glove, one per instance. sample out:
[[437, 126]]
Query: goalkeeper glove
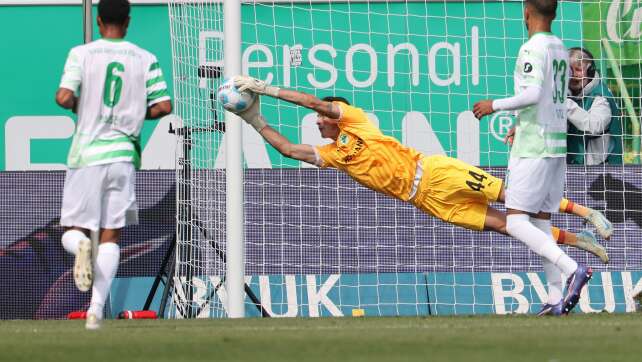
[[257, 86], [252, 115]]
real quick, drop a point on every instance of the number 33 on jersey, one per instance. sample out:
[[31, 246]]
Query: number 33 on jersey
[[541, 128]]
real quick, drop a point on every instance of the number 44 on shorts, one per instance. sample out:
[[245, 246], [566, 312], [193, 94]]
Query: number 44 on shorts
[[477, 183]]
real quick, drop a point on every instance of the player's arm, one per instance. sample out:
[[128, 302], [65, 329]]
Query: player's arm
[[526, 98], [305, 153], [159, 103], [67, 99], [254, 118], [70, 82], [257, 86], [530, 64], [159, 110]]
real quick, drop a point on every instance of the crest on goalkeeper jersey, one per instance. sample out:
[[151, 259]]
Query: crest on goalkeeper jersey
[[233, 100]]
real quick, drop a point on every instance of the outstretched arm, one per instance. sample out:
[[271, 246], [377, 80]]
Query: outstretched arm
[[253, 117], [305, 153], [327, 109]]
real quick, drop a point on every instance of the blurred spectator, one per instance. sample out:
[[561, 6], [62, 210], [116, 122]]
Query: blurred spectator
[[595, 125]]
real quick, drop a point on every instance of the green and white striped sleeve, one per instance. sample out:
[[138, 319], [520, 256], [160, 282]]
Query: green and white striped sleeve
[[72, 74], [155, 85]]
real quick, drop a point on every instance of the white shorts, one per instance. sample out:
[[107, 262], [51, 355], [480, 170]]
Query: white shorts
[[535, 184], [100, 197]]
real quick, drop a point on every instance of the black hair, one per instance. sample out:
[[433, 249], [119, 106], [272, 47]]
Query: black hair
[[546, 8], [586, 56], [335, 99], [115, 12]]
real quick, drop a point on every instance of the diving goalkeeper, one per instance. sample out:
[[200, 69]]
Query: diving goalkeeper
[[444, 187]]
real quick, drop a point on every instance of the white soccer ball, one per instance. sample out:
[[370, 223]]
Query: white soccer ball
[[233, 100]]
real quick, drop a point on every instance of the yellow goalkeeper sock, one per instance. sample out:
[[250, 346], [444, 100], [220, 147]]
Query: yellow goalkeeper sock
[[569, 207], [564, 237]]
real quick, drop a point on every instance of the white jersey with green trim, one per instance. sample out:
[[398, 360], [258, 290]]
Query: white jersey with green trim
[[117, 81], [541, 128]]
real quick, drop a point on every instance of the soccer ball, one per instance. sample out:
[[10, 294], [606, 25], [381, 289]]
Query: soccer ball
[[233, 100]]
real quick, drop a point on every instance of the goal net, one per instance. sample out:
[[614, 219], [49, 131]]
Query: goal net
[[319, 244]]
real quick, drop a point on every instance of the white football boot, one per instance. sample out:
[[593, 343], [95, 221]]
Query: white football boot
[[92, 322], [83, 269]]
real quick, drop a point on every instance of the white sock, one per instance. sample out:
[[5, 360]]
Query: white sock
[[552, 272], [520, 227], [104, 272], [70, 240]]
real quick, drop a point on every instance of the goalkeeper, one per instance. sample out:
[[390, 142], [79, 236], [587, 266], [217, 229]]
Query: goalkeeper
[[444, 187]]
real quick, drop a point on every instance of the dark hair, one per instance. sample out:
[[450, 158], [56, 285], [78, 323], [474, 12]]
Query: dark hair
[[115, 12], [335, 99], [586, 56], [546, 8]]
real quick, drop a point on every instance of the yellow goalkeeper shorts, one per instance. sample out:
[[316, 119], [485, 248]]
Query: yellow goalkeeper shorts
[[456, 192]]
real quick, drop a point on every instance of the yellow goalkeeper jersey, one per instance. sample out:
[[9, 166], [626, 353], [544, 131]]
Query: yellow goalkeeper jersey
[[378, 162]]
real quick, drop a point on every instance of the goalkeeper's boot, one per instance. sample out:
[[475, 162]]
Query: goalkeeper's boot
[[551, 309], [83, 271], [574, 285], [603, 226], [92, 322], [586, 240]]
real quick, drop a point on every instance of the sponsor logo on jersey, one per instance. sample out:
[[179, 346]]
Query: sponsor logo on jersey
[[528, 67], [344, 139]]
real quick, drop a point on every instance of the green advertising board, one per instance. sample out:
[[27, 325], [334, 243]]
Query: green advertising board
[[620, 22], [417, 67], [35, 132]]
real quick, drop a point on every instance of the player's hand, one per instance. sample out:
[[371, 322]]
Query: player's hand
[[483, 108], [510, 136], [252, 115], [243, 82]]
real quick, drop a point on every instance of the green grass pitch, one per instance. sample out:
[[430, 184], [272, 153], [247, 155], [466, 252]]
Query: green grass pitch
[[598, 337]]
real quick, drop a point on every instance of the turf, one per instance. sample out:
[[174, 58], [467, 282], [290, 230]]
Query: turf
[[598, 337]]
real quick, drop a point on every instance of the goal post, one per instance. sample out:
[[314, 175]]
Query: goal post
[[312, 242], [235, 219]]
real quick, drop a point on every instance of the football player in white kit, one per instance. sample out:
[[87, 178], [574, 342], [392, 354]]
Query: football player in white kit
[[536, 171], [113, 86]]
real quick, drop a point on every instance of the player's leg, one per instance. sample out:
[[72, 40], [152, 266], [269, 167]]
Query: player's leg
[[582, 274], [584, 240], [528, 195], [603, 226], [536, 235], [107, 259], [76, 241], [118, 210], [555, 286], [597, 219], [79, 214], [495, 220]]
